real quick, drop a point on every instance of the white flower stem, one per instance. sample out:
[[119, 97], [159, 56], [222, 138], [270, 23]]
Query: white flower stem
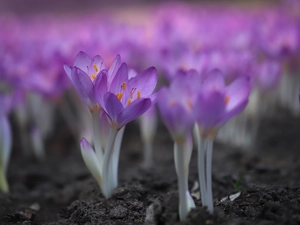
[[115, 158], [209, 196], [107, 190], [148, 155], [201, 169], [97, 142], [182, 180], [3, 181]]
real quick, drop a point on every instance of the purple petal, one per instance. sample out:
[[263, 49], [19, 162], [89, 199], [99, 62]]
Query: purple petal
[[268, 76], [237, 96], [145, 81], [112, 106], [121, 76], [85, 145], [101, 88], [83, 85], [133, 111], [210, 108], [82, 61], [114, 68], [174, 115], [98, 61], [214, 81], [68, 71]]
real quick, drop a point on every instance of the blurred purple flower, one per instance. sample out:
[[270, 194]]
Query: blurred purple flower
[[176, 103], [217, 103]]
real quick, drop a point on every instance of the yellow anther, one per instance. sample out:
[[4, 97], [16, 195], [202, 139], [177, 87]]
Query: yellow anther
[[227, 99], [96, 68], [119, 96], [123, 86], [138, 94], [129, 101], [93, 76]]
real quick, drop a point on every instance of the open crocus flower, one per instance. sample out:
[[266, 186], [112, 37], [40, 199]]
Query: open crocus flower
[[122, 97], [216, 104], [126, 99], [177, 100], [85, 73], [176, 108]]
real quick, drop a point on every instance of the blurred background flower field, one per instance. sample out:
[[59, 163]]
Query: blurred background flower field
[[42, 120]]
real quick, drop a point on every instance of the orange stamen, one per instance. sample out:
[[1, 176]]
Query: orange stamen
[[138, 94], [96, 68], [119, 96], [129, 101], [227, 99], [94, 76]]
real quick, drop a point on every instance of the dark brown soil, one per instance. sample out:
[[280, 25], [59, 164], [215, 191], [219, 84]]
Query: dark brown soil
[[61, 191]]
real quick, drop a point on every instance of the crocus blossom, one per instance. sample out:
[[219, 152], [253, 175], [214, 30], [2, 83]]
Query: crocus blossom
[[119, 94], [176, 105], [84, 75], [216, 104]]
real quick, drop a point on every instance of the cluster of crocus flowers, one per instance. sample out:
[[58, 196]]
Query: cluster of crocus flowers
[[114, 98], [207, 102]]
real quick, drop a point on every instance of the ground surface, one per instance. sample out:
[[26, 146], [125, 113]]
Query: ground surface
[[61, 191]]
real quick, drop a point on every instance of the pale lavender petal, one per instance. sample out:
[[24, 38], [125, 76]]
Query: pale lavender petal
[[133, 111], [237, 92], [112, 106], [269, 74], [214, 81], [98, 61], [83, 85], [68, 72], [121, 76], [114, 69], [82, 61], [145, 82], [210, 108], [101, 88], [90, 159], [174, 114]]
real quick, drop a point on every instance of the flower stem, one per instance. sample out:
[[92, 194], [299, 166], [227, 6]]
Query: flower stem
[[3, 181], [182, 180], [107, 188], [115, 158], [148, 161], [201, 168], [97, 142], [209, 196]]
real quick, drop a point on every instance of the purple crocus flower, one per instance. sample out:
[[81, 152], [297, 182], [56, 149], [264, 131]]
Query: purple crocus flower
[[268, 75], [217, 103], [179, 99], [86, 73], [125, 99], [176, 108]]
